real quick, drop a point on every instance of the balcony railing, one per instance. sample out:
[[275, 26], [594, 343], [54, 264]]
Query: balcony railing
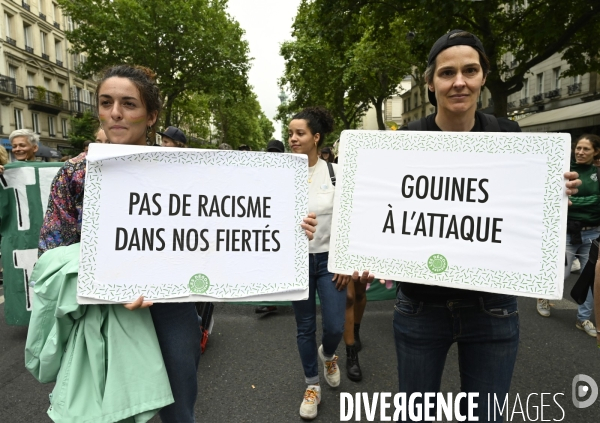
[[11, 41], [8, 84], [524, 101], [553, 93], [59, 63], [80, 107], [29, 49], [26, 6], [45, 100], [45, 56], [575, 88], [56, 25], [42, 16], [538, 97]]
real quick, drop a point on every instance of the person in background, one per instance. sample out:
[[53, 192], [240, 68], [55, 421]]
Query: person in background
[[273, 146], [327, 154], [24, 144], [86, 145], [244, 147], [173, 137], [224, 146], [101, 136], [583, 223]]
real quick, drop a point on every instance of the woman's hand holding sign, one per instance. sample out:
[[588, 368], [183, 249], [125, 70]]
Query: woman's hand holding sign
[[572, 183], [310, 225]]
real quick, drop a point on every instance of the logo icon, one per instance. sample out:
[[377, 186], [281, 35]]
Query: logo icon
[[584, 386], [199, 283], [437, 263]]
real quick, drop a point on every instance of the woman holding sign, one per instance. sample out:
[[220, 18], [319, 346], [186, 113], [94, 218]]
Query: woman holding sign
[[129, 103], [429, 319]]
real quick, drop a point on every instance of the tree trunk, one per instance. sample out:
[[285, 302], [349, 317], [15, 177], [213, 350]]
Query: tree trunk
[[499, 91], [378, 103], [167, 108]]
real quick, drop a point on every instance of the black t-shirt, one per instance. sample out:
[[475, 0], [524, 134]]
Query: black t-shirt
[[434, 293]]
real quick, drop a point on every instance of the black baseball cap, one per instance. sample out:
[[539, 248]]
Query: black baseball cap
[[275, 146], [243, 147], [448, 40], [175, 134]]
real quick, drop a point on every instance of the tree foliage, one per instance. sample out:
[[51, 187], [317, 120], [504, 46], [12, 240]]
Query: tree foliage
[[193, 46], [83, 129], [532, 30], [344, 63]]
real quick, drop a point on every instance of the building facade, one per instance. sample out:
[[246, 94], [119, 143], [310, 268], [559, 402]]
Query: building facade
[[40, 88]]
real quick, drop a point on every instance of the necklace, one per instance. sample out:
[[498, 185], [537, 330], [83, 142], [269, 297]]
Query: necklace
[[312, 173]]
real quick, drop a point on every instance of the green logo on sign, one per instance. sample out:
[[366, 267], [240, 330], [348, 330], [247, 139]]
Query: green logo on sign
[[437, 263], [199, 283]]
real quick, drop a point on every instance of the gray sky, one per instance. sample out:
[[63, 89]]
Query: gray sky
[[267, 24]]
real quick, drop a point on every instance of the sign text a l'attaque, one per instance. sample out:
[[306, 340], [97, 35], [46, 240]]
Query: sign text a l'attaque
[[478, 211]]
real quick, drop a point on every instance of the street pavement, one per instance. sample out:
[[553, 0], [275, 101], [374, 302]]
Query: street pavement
[[251, 370]]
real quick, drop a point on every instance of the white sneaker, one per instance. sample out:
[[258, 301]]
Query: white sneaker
[[576, 266], [312, 398], [543, 307], [332, 370], [586, 326]]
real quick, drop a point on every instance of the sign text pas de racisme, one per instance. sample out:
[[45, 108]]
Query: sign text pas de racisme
[[185, 224]]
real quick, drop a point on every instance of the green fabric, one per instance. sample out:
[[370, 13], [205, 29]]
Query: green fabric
[[105, 359], [376, 292], [586, 203], [16, 239]]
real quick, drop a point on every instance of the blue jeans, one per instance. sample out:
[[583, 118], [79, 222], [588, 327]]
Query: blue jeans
[[179, 337], [486, 330], [333, 312], [582, 251]]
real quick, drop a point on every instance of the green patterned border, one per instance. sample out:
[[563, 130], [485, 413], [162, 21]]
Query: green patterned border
[[542, 284], [218, 289]]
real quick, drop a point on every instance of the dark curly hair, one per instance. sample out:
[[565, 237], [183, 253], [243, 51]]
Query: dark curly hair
[[145, 81], [319, 121]]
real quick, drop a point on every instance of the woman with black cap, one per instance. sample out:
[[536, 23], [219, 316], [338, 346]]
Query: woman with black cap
[[429, 319]]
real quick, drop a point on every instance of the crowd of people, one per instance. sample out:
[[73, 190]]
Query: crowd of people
[[426, 317]]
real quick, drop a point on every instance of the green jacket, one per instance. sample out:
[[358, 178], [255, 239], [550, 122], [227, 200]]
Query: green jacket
[[105, 359], [586, 203]]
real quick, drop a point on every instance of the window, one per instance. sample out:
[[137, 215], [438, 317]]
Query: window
[[27, 33], [525, 89], [36, 123], [51, 130], [58, 50], [540, 83], [47, 83], [54, 12], [18, 119], [30, 79], [43, 38], [41, 6], [8, 24], [12, 71], [577, 79], [86, 97], [69, 23], [556, 78], [65, 128], [61, 89]]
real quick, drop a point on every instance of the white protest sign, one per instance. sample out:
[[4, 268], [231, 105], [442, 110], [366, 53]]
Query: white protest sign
[[193, 225], [478, 211]]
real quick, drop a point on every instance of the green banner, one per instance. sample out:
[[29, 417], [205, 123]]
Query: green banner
[[23, 201]]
